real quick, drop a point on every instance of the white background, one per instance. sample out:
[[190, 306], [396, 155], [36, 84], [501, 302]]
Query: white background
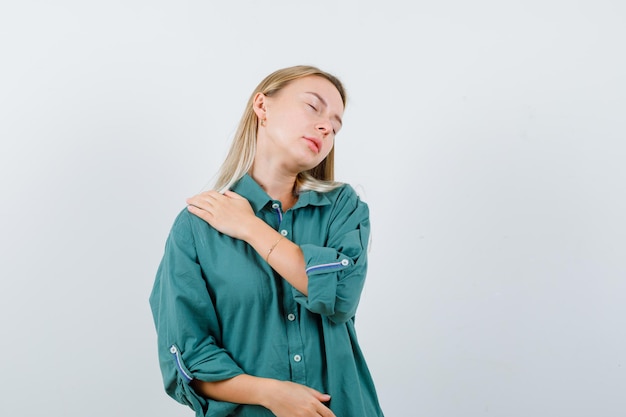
[[488, 138]]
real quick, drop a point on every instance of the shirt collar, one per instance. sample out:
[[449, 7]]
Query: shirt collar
[[252, 191], [313, 198], [247, 187]]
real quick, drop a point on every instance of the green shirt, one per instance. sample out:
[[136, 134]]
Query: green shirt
[[220, 310]]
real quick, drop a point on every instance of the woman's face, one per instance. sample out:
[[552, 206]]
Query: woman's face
[[300, 122]]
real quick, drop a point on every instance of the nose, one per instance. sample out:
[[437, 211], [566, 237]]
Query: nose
[[325, 127]]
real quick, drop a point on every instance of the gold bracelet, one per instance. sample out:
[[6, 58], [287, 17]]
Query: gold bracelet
[[267, 257]]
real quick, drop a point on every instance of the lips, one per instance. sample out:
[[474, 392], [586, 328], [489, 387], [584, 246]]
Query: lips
[[315, 144]]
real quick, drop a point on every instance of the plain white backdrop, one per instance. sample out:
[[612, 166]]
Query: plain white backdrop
[[488, 138]]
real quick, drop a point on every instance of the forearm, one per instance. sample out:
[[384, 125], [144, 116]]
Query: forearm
[[241, 389], [285, 257], [282, 398]]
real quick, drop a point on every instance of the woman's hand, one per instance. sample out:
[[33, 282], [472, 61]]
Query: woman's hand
[[229, 213], [288, 399]]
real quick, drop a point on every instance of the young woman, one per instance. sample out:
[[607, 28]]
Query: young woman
[[255, 297]]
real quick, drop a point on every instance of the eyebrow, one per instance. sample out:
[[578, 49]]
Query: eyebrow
[[336, 117]]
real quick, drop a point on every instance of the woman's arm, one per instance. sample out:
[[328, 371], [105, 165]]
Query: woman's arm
[[183, 313], [328, 280], [232, 215], [283, 398], [186, 320]]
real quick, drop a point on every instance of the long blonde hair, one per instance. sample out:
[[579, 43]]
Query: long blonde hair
[[243, 148]]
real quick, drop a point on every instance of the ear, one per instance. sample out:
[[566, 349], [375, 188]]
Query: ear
[[258, 105]]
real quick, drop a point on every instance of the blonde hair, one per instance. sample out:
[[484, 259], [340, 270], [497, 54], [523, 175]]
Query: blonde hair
[[243, 148]]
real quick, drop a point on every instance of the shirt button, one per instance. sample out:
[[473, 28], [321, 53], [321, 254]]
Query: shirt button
[[283, 232], [297, 358], [291, 317], [345, 262], [275, 205]]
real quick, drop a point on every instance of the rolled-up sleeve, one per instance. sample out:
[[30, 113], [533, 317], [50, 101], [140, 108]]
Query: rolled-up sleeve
[[187, 325], [337, 271]]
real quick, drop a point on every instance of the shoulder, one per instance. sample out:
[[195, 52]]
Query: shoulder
[[345, 194], [188, 226], [346, 202]]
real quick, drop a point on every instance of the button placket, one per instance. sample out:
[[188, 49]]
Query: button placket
[[290, 308]]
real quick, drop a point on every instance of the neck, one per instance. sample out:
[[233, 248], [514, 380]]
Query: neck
[[278, 185]]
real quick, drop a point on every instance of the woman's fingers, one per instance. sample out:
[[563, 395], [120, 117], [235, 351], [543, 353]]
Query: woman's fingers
[[202, 199], [232, 194], [230, 213], [290, 399]]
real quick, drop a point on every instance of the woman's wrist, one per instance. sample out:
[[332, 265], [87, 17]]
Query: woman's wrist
[[266, 391], [255, 230]]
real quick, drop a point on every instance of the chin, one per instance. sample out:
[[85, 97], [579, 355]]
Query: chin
[[306, 163]]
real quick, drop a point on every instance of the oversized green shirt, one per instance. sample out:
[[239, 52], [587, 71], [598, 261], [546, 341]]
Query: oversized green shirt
[[220, 310]]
